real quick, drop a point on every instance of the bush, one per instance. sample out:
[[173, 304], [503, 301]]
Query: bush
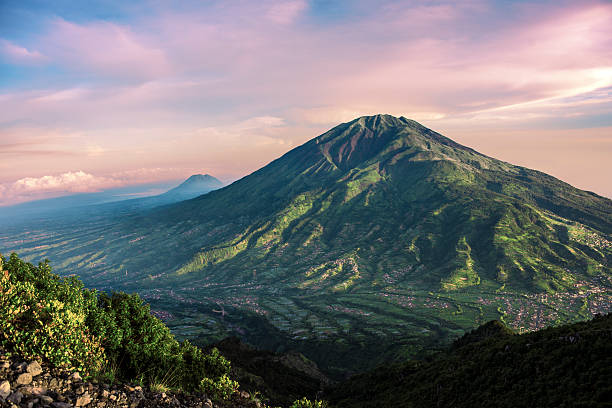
[[44, 316], [306, 403], [196, 365], [137, 342], [221, 388], [112, 336]]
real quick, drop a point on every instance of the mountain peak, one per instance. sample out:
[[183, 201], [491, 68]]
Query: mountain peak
[[368, 137], [380, 120], [198, 181], [198, 178], [194, 186]]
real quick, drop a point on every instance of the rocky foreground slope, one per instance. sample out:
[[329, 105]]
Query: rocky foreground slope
[[31, 384]]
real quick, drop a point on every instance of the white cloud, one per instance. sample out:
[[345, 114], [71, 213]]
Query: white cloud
[[34, 188], [73, 182]]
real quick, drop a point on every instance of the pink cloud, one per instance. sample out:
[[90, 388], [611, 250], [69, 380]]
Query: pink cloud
[[197, 87], [565, 53], [151, 174], [392, 62], [286, 12], [108, 49], [20, 55]]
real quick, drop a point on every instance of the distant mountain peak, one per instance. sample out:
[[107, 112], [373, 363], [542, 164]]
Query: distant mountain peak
[[199, 178], [195, 185]]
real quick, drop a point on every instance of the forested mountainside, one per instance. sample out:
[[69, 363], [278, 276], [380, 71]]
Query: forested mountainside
[[565, 366]]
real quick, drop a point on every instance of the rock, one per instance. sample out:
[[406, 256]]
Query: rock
[[5, 389], [34, 368], [33, 403], [33, 390], [45, 399], [75, 377], [105, 393], [54, 383], [15, 397], [24, 379], [244, 394], [61, 405], [208, 403], [80, 390], [83, 400]]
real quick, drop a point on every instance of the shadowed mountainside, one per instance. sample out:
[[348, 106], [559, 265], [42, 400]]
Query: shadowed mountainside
[[567, 366]]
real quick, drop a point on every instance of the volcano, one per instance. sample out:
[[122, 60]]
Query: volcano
[[379, 231]]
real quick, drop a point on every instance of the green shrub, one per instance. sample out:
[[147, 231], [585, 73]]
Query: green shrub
[[306, 403], [44, 316], [141, 346], [196, 365], [135, 340], [114, 336], [221, 388]]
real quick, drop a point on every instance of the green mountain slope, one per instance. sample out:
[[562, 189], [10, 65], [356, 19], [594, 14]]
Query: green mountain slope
[[568, 366], [380, 230], [379, 195]]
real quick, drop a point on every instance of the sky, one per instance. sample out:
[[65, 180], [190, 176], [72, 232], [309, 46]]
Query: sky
[[103, 94]]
